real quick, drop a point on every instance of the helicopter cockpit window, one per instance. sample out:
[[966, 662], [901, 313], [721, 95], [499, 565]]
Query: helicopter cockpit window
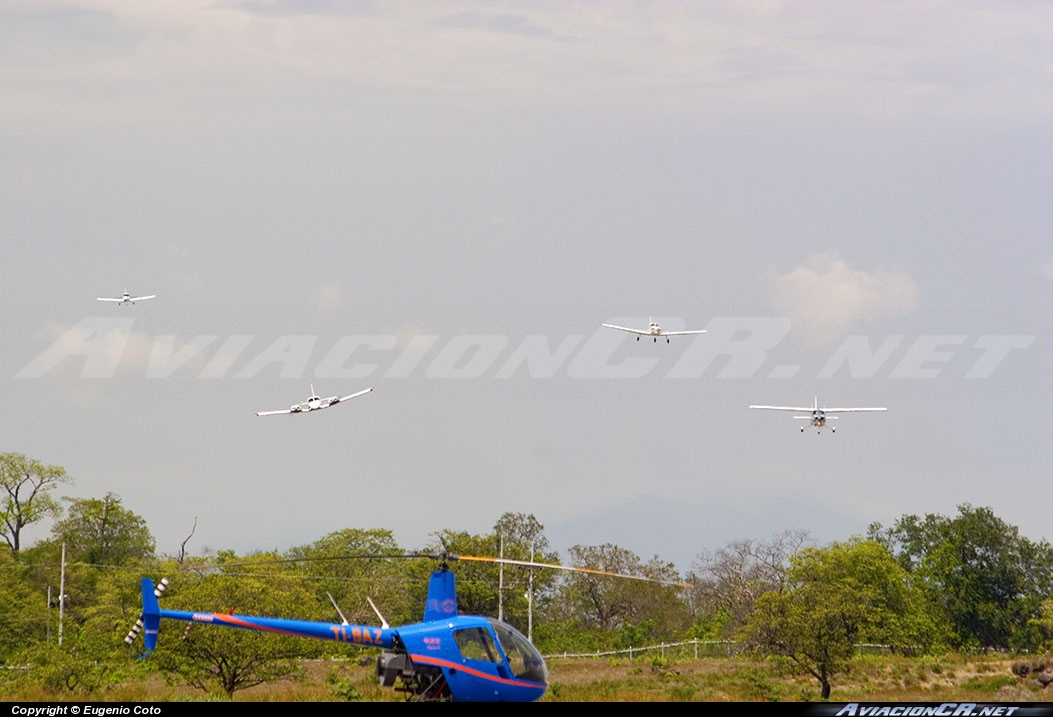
[[523, 658], [475, 643]]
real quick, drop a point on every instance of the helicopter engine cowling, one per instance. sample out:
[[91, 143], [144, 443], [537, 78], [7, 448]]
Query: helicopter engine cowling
[[390, 665], [423, 683]]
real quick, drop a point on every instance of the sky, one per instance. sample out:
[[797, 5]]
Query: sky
[[445, 201]]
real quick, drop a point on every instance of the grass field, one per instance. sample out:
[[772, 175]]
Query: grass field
[[871, 679]]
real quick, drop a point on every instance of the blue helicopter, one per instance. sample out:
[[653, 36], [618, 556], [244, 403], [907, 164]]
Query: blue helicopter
[[445, 657]]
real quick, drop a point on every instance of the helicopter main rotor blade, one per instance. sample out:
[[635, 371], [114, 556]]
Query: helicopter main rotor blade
[[556, 566]]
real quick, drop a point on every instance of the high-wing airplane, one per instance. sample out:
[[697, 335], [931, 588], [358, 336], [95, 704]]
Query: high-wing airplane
[[818, 416], [654, 330], [127, 298], [315, 403]]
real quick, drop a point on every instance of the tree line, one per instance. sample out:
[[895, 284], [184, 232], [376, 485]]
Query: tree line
[[923, 585]]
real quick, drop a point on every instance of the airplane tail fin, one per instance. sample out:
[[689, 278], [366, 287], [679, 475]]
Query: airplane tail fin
[[815, 403]]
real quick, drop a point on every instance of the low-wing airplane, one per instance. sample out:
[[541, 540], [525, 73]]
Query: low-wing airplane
[[654, 330], [819, 416], [127, 298], [315, 403]]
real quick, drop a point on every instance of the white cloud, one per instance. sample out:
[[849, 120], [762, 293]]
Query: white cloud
[[1045, 268], [94, 350], [827, 296], [183, 271], [327, 297]]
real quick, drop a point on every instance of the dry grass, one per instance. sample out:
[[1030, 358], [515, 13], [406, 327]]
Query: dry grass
[[872, 679]]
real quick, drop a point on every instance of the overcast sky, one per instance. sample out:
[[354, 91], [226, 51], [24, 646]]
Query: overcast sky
[[445, 200]]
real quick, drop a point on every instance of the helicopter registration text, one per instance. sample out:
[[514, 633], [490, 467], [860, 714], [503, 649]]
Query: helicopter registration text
[[365, 636]]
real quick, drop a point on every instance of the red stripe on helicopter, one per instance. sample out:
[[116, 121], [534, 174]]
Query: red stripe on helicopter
[[424, 659]]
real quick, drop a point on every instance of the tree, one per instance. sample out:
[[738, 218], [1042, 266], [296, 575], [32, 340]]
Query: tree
[[23, 611], [730, 580], [230, 658], [521, 532], [489, 588], [27, 486], [608, 603], [836, 597], [985, 580], [1043, 625], [352, 565], [103, 532]]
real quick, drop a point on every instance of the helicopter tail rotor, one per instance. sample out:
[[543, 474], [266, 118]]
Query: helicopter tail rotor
[[149, 622]]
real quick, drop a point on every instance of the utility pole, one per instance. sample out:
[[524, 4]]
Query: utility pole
[[501, 580], [530, 597], [62, 594]]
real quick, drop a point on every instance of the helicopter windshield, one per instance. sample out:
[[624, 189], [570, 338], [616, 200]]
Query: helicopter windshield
[[523, 658]]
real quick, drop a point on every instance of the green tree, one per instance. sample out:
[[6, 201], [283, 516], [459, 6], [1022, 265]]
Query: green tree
[[86, 651], [232, 659], [27, 495], [980, 575], [353, 566], [487, 587], [23, 610], [102, 532], [834, 598], [1043, 625]]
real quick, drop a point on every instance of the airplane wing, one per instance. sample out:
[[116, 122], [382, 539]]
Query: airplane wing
[[143, 298], [295, 409], [109, 299], [631, 331], [851, 410], [353, 395], [682, 333], [785, 408]]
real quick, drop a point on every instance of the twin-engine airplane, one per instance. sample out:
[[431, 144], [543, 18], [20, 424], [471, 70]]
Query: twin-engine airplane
[[315, 403], [818, 416], [654, 330], [127, 298]]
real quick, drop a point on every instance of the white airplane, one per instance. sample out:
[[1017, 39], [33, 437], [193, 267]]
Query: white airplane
[[653, 329], [127, 298], [315, 403], [818, 416]]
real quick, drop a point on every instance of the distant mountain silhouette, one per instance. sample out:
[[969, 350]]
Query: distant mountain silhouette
[[677, 532]]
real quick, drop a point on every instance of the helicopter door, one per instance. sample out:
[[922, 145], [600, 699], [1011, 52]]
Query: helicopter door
[[485, 676], [479, 651], [476, 643]]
